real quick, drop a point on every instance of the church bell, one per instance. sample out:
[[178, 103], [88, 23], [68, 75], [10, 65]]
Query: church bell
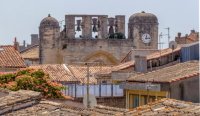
[[78, 25], [94, 21]]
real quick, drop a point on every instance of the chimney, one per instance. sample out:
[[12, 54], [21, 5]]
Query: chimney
[[24, 43], [179, 34], [193, 31], [140, 63], [34, 39], [16, 44]]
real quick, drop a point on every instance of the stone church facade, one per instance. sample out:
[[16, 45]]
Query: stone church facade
[[95, 38]]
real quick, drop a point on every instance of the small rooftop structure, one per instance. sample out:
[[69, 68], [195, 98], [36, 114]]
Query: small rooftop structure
[[31, 53], [187, 39]]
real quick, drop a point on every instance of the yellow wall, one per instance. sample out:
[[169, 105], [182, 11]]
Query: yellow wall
[[143, 94]]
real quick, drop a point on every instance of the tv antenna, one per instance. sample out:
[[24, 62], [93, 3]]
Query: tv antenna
[[168, 30], [168, 34]]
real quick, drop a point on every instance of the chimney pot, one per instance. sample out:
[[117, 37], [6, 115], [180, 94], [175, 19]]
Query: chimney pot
[[193, 31], [24, 43], [179, 34]]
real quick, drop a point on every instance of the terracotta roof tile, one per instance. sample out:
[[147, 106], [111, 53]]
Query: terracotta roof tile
[[167, 106], [10, 58], [81, 72], [24, 102], [169, 74], [117, 68], [57, 72], [192, 37], [70, 73], [163, 52]]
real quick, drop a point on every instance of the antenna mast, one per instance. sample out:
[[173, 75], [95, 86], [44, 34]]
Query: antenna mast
[[168, 34]]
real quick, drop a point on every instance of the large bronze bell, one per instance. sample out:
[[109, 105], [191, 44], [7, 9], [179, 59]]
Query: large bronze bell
[[94, 21], [78, 25], [111, 30], [94, 28]]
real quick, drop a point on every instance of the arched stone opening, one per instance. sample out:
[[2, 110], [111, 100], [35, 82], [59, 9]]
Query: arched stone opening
[[102, 57]]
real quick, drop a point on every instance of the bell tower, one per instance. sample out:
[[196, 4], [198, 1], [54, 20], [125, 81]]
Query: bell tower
[[143, 29]]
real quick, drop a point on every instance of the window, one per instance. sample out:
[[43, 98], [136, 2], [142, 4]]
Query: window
[[143, 100], [134, 101], [140, 97]]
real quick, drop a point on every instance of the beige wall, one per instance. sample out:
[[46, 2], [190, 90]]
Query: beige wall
[[49, 40], [88, 50]]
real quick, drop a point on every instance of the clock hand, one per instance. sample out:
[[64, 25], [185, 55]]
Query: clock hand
[[146, 37]]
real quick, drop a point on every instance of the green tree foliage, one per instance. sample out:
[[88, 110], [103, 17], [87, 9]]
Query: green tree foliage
[[30, 79], [117, 36]]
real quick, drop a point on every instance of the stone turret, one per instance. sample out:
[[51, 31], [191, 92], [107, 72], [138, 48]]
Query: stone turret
[[143, 29], [49, 32]]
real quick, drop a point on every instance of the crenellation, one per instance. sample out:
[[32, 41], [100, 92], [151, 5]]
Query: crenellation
[[120, 23], [87, 27], [70, 26], [103, 30]]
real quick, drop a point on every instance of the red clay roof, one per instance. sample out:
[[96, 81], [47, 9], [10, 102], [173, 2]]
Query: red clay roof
[[70, 73], [161, 53], [169, 74], [192, 37], [10, 58], [57, 72], [166, 107], [128, 64], [117, 68]]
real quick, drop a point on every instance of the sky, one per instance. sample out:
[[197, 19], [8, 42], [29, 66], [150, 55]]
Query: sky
[[21, 18]]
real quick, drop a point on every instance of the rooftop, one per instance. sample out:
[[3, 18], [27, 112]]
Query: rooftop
[[169, 74], [169, 107], [25, 102], [70, 73], [162, 53], [119, 67], [31, 52], [10, 58], [192, 37]]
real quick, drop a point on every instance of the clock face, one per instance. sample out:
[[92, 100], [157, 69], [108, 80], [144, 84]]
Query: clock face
[[146, 38]]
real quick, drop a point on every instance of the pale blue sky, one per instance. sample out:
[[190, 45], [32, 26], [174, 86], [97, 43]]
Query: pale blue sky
[[20, 18]]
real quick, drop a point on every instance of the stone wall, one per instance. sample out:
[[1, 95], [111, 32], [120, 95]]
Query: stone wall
[[190, 90], [56, 47], [49, 38], [89, 50], [118, 102], [18, 100]]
